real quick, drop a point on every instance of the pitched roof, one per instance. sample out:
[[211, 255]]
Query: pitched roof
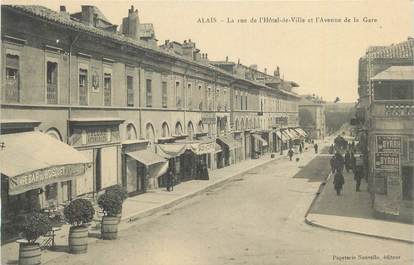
[[396, 73], [400, 50]]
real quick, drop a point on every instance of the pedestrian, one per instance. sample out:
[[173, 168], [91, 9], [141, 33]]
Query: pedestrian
[[353, 161], [339, 162], [170, 180], [331, 149], [358, 175], [347, 161], [332, 162], [300, 148], [315, 146], [338, 182], [290, 154]]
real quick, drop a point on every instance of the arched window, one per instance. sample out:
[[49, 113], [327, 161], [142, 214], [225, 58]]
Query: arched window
[[200, 126], [242, 124], [165, 130], [131, 132], [150, 133], [178, 129], [53, 132], [190, 130]]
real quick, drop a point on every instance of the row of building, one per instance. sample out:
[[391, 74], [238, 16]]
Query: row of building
[[384, 121], [86, 106]]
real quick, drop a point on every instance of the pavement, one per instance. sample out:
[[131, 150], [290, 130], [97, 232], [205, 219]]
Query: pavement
[[352, 212], [257, 218], [147, 204]]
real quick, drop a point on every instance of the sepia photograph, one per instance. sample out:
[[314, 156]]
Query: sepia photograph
[[207, 132]]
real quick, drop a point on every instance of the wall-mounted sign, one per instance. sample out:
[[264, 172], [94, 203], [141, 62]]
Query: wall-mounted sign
[[388, 143], [92, 135], [40, 178], [208, 118], [387, 161]]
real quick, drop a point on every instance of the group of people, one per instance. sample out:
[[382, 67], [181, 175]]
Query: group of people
[[202, 174], [350, 162]]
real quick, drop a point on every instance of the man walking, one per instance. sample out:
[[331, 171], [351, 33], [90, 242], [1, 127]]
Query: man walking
[[290, 154], [358, 175], [339, 162], [347, 161], [332, 162], [315, 146]]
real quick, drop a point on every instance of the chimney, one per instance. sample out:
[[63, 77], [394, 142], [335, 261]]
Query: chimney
[[87, 15], [62, 8], [227, 59], [265, 71], [130, 24], [238, 61]]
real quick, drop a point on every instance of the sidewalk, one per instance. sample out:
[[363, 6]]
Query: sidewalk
[[146, 204], [352, 212]]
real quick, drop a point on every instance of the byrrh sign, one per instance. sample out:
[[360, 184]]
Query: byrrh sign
[[40, 178]]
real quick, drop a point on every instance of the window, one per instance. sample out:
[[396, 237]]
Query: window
[[178, 129], [177, 94], [107, 89], [165, 130], [130, 91], [131, 132], [241, 102], [190, 95], [12, 88], [245, 105], [51, 80], [83, 87], [164, 94], [393, 90], [407, 183], [149, 92]]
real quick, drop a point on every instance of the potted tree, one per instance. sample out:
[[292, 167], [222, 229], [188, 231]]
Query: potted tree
[[111, 205], [119, 191], [78, 213], [34, 225]]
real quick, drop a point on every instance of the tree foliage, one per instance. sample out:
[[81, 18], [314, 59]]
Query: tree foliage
[[305, 118]]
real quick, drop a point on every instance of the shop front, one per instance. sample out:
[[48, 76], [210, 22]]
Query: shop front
[[186, 157], [259, 145], [229, 146], [99, 140], [37, 172]]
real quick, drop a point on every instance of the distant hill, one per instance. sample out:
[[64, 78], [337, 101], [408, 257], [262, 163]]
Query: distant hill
[[339, 107]]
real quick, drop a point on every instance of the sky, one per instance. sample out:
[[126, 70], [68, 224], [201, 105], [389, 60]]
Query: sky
[[322, 57]]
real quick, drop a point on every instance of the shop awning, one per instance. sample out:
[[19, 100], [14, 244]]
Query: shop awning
[[228, 141], [286, 136], [301, 132], [295, 134], [217, 148], [146, 157], [32, 160], [260, 139], [199, 147]]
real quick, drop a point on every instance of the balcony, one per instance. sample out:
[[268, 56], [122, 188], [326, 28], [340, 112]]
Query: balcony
[[52, 93]]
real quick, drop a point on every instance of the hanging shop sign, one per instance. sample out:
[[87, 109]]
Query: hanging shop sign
[[388, 143], [40, 178]]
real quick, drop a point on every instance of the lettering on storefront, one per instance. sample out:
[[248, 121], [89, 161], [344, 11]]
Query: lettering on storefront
[[387, 161], [204, 148], [208, 118], [82, 136], [39, 178], [388, 144]]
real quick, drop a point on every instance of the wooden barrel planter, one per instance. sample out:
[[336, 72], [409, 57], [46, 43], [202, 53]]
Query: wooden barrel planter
[[29, 254], [109, 227], [78, 239]]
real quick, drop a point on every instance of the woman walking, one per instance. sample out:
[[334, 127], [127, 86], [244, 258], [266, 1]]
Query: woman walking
[[338, 182]]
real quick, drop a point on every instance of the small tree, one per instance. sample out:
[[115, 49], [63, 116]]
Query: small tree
[[79, 212], [110, 203], [35, 225], [119, 191]]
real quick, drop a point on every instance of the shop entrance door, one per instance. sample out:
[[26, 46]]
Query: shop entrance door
[[188, 164]]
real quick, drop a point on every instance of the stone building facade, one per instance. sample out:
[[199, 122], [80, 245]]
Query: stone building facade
[[384, 121], [315, 126], [131, 108]]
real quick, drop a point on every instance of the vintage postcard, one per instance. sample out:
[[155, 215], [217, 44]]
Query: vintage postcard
[[207, 132]]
